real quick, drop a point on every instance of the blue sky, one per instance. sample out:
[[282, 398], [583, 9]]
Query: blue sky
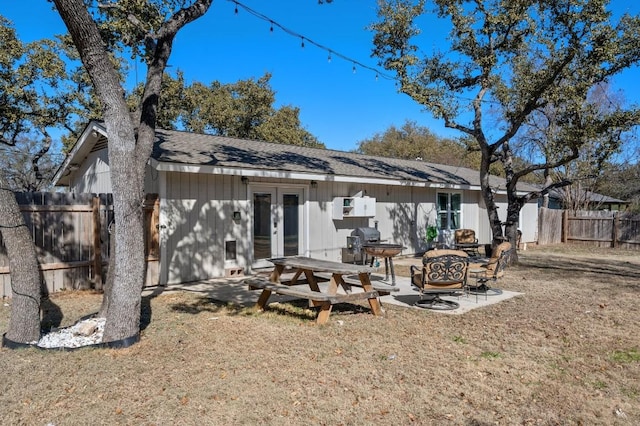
[[338, 106]]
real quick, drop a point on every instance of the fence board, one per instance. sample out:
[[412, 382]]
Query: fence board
[[549, 226], [594, 228], [72, 252]]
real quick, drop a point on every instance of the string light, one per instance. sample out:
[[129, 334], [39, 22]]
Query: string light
[[303, 38], [331, 52]]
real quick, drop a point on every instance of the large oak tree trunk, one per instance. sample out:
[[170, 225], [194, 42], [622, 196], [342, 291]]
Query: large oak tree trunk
[[488, 197], [127, 174], [129, 150], [108, 286], [123, 313], [24, 323]]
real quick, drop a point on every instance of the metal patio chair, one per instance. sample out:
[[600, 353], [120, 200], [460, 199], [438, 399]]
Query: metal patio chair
[[488, 273], [443, 272], [465, 239]]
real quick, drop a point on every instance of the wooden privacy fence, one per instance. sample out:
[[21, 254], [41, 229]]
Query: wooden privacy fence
[[596, 228], [71, 235]]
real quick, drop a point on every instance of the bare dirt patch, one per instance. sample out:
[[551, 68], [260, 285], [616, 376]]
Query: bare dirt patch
[[566, 352]]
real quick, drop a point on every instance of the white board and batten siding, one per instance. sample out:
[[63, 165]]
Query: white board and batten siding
[[402, 214], [196, 219], [197, 216], [529, 222], [94, 176]]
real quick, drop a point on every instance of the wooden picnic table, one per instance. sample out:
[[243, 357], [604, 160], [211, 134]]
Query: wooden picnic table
[[309, 267]]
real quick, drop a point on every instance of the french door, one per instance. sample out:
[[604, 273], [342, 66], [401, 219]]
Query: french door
[[278, 223]]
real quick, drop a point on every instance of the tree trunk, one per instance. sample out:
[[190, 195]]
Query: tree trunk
[[487, 195], [511, 230], [24, 323], [547, 181], [108, 286], [129, 150], [127, 261], [514, 204]]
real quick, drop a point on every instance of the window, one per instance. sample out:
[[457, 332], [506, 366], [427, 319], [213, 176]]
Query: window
[[448, 210]]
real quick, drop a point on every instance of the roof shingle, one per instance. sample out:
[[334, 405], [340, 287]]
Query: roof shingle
[[199, 149]]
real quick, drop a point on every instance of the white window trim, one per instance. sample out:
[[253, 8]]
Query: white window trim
[[449, 211]]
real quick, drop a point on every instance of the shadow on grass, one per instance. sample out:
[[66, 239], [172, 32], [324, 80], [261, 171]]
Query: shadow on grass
[[146, 312], [208, 304], [298, 308], [51, 315], [611, 275], [595, 266]]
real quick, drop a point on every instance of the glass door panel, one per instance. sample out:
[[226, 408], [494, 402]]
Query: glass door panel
[[291, 228], [277, 223], [262, 226]]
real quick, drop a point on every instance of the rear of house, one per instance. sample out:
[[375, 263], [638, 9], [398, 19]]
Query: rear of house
[[227, 205]]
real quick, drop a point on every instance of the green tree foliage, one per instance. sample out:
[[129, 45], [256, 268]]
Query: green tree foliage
[[412, 142], [43, 86], [505, 60], [283, 126], [243, 110], [33, 94], [147, 29]]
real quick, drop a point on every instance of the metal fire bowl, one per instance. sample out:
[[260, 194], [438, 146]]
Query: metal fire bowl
[[382, 250]]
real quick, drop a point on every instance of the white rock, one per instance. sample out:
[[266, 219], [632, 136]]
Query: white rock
[[71, 337]]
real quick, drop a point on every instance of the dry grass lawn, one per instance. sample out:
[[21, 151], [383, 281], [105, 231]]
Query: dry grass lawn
[[566, 352]]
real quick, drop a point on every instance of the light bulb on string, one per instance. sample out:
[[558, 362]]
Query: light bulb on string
[[330, 52]]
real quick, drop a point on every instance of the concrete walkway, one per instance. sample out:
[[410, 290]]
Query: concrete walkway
[[233, 290]]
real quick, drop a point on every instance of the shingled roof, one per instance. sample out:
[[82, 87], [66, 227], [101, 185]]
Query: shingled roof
[[199, 149], [180, 150]]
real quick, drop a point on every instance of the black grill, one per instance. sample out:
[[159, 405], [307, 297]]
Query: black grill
[[366, 234], [361, 236]]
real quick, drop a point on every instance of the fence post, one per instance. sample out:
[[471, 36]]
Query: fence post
[[565, 226], [97, 249], [616, 224]]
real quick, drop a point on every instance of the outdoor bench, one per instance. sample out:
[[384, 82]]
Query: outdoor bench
[[305, 293], [324, 298], [383, 289]]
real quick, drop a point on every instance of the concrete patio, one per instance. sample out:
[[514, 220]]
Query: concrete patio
[[234, 290]]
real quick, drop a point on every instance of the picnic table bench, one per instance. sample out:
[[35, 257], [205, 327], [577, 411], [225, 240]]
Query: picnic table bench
[[304, 293], [382, 288], [310, 268]]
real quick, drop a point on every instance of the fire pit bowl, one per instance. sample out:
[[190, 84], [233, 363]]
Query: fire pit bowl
[[386, 251], [382, 250]]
